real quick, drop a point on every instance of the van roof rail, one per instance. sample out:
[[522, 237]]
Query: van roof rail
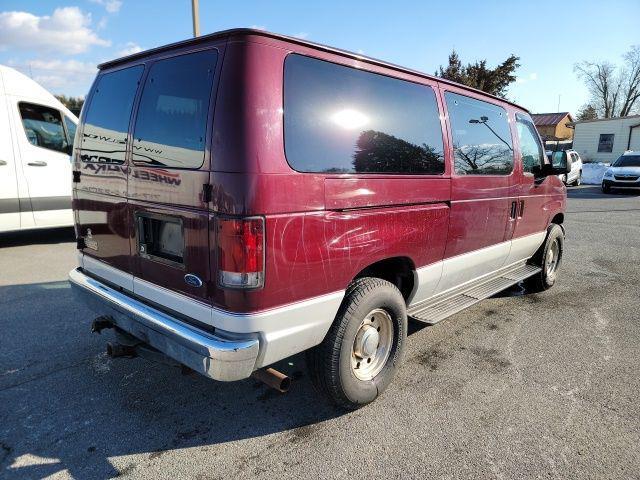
[[252, 31]]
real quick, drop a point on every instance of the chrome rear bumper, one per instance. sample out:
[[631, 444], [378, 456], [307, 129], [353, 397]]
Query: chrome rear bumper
[[211, 355]]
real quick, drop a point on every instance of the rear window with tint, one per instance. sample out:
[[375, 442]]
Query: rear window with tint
[[339, 119], [481, 136], [104, 137], [171, 124]]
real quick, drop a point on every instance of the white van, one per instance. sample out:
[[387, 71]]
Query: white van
[[36, 137]]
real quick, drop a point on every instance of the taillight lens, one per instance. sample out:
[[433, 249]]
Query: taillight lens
[[240, 252]]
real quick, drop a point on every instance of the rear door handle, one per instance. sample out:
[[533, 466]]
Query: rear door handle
[[38, 163], [514, 209]]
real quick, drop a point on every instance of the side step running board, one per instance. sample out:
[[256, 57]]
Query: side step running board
[[440, 308]]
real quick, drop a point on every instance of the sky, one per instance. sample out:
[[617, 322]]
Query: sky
[[60, 42]]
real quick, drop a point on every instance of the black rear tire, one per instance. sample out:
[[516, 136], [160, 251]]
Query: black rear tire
[[549, 258], [331, 363]]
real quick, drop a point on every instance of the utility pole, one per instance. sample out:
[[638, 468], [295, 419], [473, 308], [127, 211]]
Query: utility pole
[[196, 18]]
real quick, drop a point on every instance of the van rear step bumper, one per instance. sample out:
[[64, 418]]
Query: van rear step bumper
[[211, 355], [457, 300]]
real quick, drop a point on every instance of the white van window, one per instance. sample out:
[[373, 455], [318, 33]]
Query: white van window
[[70, 125], [43, 127]]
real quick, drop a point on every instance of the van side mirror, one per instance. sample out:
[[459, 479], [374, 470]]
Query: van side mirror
[[561, 163]]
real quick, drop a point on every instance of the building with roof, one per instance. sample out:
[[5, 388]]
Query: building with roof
[[554, 126], [605, 139]]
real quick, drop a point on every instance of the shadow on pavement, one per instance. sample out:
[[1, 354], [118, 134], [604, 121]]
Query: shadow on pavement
[[586, 192], [65, 405], [38, 236]]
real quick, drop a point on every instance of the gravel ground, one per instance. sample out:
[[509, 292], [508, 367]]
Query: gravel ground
[[519, 386]]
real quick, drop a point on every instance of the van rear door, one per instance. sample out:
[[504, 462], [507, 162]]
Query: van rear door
[[169, 173], [100, 195]]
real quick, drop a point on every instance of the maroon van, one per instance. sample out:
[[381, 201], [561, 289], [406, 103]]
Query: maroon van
[[244, 196]]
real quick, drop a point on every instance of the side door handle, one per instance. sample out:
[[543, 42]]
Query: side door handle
[[521, 209], [38, 163], [2, 163], [514, 209]]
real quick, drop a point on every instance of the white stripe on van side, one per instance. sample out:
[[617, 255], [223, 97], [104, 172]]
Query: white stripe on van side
[[448, 274]]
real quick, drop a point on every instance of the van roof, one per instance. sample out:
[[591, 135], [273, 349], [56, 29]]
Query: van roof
[[18, 84], [251, 31]]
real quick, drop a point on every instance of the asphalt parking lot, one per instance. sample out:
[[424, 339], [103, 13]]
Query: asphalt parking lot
[[519, 386]]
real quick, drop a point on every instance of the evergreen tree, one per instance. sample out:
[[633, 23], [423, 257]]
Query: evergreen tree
[[587, 112], [477, 75]]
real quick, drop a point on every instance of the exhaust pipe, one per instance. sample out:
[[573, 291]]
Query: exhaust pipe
[[119, 350], [273, 379], [101, 323]]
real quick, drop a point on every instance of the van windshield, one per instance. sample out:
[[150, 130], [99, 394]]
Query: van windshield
[[627, 161]]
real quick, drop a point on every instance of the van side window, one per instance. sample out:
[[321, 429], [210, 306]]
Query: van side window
[[171, 125], [70, 126], [340, 119], [43, 127], [530, 148], [481, 136], [104, 136]]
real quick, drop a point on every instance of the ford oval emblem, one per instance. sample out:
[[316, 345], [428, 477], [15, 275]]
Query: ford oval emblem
[[191, 279]]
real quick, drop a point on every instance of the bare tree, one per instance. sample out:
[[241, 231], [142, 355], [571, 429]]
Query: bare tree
[[615, 92], [631, 81]]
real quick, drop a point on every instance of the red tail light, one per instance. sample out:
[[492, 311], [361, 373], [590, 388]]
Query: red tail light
[[240, 252]]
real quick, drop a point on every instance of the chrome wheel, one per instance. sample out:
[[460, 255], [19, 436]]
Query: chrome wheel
[[372, 344], [553, 257]]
